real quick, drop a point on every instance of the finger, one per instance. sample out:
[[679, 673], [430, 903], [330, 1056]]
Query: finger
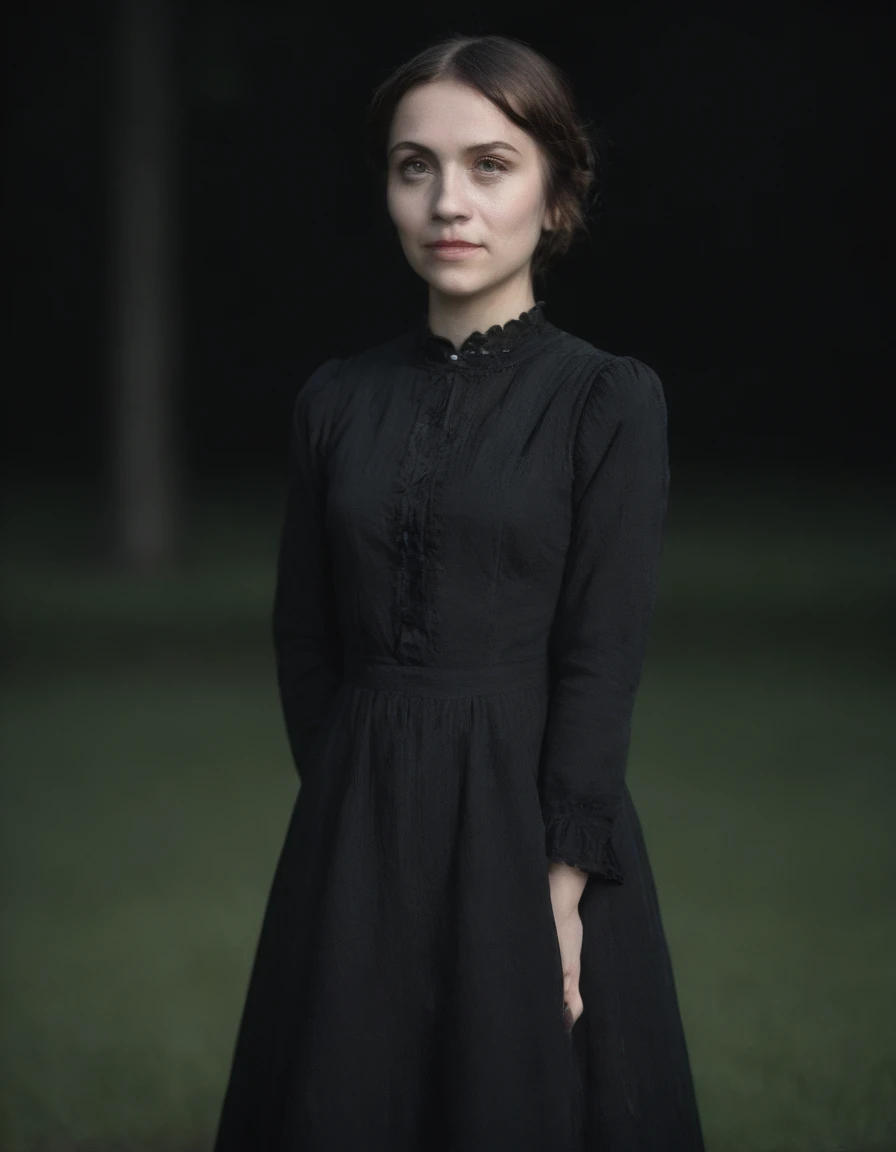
[[570, 1017]]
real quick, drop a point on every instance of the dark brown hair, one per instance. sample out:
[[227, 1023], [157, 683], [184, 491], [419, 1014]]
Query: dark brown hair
[[532, 92]]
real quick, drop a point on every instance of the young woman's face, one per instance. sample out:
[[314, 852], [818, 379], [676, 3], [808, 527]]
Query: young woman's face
[[454, 182]]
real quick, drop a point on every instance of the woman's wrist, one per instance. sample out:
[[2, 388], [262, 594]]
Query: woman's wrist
[[567, 885]]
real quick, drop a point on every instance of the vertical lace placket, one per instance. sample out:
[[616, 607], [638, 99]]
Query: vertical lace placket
[[433, 444], [411, 490]]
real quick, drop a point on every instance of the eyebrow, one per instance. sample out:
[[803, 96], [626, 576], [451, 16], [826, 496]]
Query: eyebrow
[[472, 147]]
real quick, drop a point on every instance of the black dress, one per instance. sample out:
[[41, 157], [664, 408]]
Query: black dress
[[467, 575]]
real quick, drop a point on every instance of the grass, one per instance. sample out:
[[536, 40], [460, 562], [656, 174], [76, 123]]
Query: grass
[[147, 788]]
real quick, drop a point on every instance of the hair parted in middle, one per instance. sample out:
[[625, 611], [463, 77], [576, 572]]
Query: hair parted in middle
[[531, 91]]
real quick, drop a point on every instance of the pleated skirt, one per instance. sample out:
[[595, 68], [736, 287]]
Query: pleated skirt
[[406, 993]]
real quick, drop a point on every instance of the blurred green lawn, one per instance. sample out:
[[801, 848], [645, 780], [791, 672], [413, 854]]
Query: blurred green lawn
[[147, 788]]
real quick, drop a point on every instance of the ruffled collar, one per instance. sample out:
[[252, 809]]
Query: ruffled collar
[[498, 345]]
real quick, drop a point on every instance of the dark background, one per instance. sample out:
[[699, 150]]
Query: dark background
[[742, 249]]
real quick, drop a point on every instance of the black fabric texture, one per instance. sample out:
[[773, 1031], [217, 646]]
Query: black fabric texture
[[467, 576]]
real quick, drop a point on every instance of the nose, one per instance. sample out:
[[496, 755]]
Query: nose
[[448, 202]]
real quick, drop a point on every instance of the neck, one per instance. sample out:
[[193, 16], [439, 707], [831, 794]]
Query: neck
[[456, 317]]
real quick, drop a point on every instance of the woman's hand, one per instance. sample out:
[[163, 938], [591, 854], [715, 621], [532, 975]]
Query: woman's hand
[[567, 884]]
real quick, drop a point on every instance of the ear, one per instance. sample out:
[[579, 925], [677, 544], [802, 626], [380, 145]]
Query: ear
[[550, 223]]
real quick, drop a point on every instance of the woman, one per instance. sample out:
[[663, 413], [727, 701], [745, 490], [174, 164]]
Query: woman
[[462, 948]]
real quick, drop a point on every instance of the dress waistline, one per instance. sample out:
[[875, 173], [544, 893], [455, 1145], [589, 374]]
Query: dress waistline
[[435, 680]]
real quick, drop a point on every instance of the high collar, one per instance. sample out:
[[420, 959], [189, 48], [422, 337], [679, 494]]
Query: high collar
[[500, 344]]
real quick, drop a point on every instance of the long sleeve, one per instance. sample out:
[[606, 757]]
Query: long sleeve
[[600, 630], [307, 644]]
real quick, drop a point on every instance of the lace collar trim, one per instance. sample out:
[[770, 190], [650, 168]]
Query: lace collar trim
[[500, 342]]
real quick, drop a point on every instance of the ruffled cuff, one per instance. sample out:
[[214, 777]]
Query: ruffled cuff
[[580, 834]]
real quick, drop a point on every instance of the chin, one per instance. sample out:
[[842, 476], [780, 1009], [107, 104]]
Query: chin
[[458, 285]]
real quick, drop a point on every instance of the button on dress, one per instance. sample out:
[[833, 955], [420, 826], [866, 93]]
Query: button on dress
[[467, 574]]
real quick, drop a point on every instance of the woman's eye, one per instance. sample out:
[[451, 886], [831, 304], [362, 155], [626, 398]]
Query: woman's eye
[[500, 166]]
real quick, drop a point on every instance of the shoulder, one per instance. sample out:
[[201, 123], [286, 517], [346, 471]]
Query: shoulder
[[632, 386], [321, 378], [325, 393], [338, 376], [314, 398], [622, 400], [609, 380], [622, 388]]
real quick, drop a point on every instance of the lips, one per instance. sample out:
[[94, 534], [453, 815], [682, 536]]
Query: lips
[[453, 244]]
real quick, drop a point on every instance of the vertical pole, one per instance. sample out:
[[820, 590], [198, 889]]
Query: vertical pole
[[145, 463]]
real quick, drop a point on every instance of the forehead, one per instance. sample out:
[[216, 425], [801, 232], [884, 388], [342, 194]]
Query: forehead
[[450, 116]]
